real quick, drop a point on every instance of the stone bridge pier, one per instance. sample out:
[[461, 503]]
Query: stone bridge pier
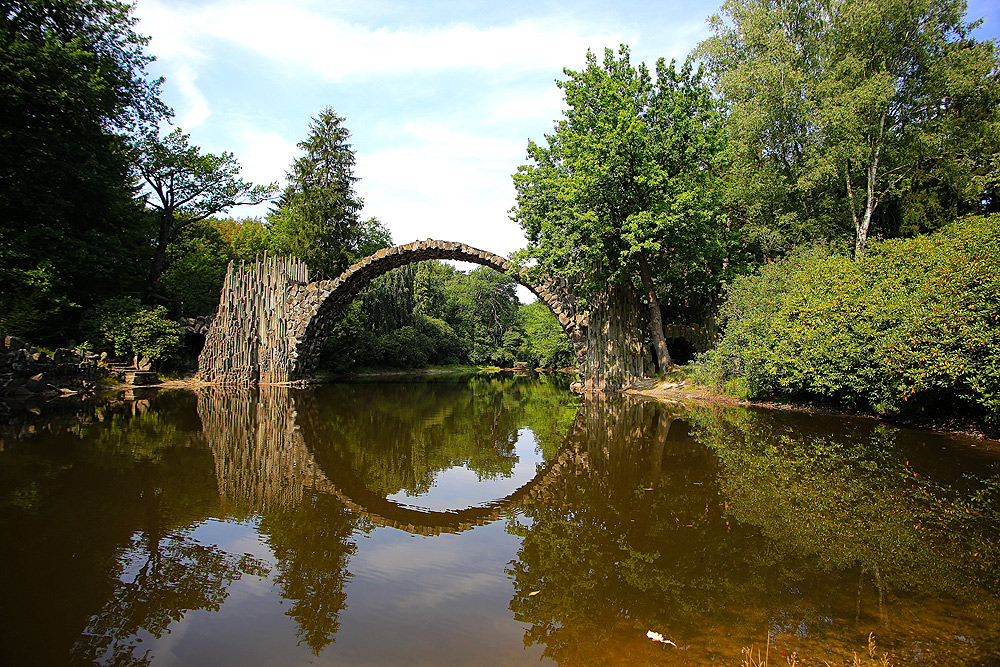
[[272, 321]]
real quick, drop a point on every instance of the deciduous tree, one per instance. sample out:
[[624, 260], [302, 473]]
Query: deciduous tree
[[185, 187], [73, 91], [624, 182], [837, 107]]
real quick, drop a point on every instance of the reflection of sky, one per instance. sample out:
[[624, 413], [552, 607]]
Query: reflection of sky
[[458, 488], [251, 628], [410, 600], [432, 600]]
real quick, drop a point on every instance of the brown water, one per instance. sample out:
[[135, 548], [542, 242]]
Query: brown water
[[486, 520]]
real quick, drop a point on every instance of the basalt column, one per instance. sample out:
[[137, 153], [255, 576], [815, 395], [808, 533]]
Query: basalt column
[[248, 342], [617, 351]]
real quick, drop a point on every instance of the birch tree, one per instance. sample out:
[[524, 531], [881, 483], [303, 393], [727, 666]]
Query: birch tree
[[834, 104]]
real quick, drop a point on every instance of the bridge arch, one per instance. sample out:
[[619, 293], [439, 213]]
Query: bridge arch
[[272, 321]]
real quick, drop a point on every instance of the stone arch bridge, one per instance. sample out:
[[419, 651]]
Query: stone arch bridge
[[272, 321]]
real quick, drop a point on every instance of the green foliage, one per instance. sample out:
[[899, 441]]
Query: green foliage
[[404, 348], [626, 178], [195, 270], [186, 187], [317, 215], [545, 343], [74, 90], [914, 323], [430, 313], [853, 116], [129, 328]]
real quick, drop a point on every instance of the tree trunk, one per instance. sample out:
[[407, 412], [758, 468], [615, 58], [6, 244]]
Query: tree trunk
[[159, 259], [871, 197], [655, 318]]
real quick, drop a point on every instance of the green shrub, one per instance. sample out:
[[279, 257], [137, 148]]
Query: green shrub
[[127, 327], [447, 346], [912, 323]]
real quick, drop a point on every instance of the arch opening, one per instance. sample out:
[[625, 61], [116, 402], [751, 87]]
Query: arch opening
[[319, 304]]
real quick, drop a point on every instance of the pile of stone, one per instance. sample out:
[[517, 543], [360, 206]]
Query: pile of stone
[[195, 325], [27, 371]]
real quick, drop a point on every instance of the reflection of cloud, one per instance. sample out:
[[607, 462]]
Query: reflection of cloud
[[233, 538], [446, 573]]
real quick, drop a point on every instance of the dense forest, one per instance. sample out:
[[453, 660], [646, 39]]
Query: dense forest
[[818, 178]]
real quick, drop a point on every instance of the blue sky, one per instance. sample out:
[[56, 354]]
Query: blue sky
[[440, 97]]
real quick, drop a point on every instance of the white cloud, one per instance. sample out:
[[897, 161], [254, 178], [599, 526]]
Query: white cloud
[[264, 155], [440, 111], [439, 182], [195, 110], [320, 43], [546, 105]]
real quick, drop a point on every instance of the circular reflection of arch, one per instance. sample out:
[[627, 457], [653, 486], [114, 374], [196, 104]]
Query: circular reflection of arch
[[342, 483], [263, 462], [313, 308]]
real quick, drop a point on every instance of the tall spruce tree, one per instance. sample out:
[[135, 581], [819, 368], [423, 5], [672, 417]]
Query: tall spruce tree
[[318, 214]]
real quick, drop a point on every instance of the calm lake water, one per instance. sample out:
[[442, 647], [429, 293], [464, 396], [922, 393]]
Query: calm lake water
[[486, 520]]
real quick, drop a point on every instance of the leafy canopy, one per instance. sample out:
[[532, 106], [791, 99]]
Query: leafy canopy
[[73, 94], [840, 113], [627, 174]]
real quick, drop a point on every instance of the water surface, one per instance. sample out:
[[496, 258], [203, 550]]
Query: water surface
[[486, 520]]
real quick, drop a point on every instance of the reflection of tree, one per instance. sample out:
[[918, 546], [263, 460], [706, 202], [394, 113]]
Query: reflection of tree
[[718, 539], [313, 544], [163, 577], [398, 436], [640, 547], [863, 499], [107, 552]]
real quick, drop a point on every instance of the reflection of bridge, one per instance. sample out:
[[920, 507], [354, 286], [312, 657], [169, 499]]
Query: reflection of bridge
[[263, 462], [272, 322]]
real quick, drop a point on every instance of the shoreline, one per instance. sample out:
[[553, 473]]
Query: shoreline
[[666, 391]]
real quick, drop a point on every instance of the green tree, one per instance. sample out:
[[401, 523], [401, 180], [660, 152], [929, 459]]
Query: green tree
[[494, 313], [185, 187], [74, 90], [317, 218], [624, 180], [837, 107], [127, 327], [196, 268], [547, 344]]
